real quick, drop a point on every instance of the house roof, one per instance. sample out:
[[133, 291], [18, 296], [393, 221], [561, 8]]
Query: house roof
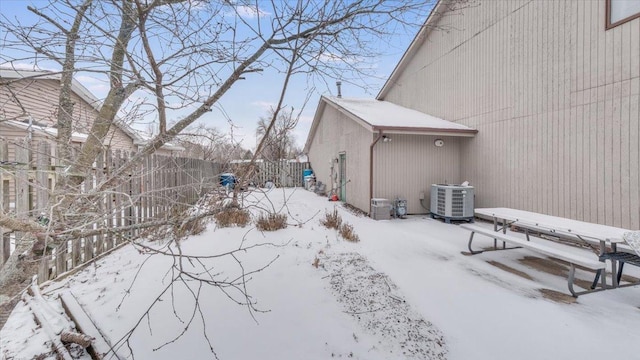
[[44, 130], [428, 26], [384, 116], [87, 96]]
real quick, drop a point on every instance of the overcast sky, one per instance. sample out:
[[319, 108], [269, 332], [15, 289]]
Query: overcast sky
[[249, 99]]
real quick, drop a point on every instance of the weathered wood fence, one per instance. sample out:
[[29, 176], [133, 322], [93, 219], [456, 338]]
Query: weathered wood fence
[[283, 173], [152, 190]]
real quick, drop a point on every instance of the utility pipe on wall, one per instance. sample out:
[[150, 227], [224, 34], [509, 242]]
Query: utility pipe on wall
[[371, 168]]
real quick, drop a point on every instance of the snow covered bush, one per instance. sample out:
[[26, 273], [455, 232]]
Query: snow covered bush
[[332, 220], [232, 216], [347, 233], [271, 222]]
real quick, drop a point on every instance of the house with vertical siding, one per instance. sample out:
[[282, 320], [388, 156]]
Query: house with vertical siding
[[29, 105], [553, 90]]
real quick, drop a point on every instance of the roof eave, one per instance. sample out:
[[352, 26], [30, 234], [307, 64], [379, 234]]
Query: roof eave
[[314, 124], [362, 122], [413, 47], [426, 131]]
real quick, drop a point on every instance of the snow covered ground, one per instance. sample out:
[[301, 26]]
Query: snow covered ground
[[405, 291]]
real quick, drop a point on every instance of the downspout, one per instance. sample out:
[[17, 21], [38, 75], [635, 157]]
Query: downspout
[[371, 168]]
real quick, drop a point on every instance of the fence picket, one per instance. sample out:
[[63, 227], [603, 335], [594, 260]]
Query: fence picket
[[43, 270], [61, 258]]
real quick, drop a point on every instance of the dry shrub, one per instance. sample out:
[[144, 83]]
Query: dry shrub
[[271, 222], [191, 227], [232, 216], [332, 220], [346, 231]]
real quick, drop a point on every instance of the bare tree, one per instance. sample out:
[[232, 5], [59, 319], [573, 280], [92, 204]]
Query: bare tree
[[279, 143], [175, 60], [209, 143]]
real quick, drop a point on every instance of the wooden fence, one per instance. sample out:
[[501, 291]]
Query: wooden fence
[[283, 173], [155, 188]]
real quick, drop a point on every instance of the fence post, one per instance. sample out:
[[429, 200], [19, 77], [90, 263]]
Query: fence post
[[21, 185], [5, 239], [110, 198], [43, 166], [102, 199], [89, 241]]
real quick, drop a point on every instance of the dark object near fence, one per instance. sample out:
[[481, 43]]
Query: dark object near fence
[[228, 180]]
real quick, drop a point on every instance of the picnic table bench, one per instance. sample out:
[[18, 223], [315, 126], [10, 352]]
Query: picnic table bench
[[570, 257]]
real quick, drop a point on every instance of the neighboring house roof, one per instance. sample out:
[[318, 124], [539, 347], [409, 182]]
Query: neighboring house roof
[[429, 25], [376, 115], [44, 130], [144, 139], [88, 97]]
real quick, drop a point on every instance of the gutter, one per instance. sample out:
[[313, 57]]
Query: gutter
[[427, 130], [371, 168]]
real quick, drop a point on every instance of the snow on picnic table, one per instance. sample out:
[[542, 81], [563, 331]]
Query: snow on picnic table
[[477, 310]]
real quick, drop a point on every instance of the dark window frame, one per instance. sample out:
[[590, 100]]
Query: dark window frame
[[609, 24]]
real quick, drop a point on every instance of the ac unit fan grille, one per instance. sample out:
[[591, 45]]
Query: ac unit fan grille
[[442, 201], [457, 203]]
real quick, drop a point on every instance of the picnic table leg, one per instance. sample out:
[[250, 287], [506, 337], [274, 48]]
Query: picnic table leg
[[614, 272], [603, 273], [572, 274], [495, 228], [596, 278], [469, 245]]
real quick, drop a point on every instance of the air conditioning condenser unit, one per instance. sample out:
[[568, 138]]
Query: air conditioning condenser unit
[[452, 202]]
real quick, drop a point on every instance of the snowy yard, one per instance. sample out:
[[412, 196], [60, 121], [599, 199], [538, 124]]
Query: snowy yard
[[405, 291]]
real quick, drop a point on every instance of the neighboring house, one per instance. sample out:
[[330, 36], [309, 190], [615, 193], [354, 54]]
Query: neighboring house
[[553, 88], [29, 105]]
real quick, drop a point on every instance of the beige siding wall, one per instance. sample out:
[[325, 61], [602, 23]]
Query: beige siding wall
[[117, 139], [554, 97], [37, 96], [40, 98], [335, 134], [409, 164]]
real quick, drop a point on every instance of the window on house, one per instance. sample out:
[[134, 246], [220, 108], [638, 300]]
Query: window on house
[[621, 11]]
